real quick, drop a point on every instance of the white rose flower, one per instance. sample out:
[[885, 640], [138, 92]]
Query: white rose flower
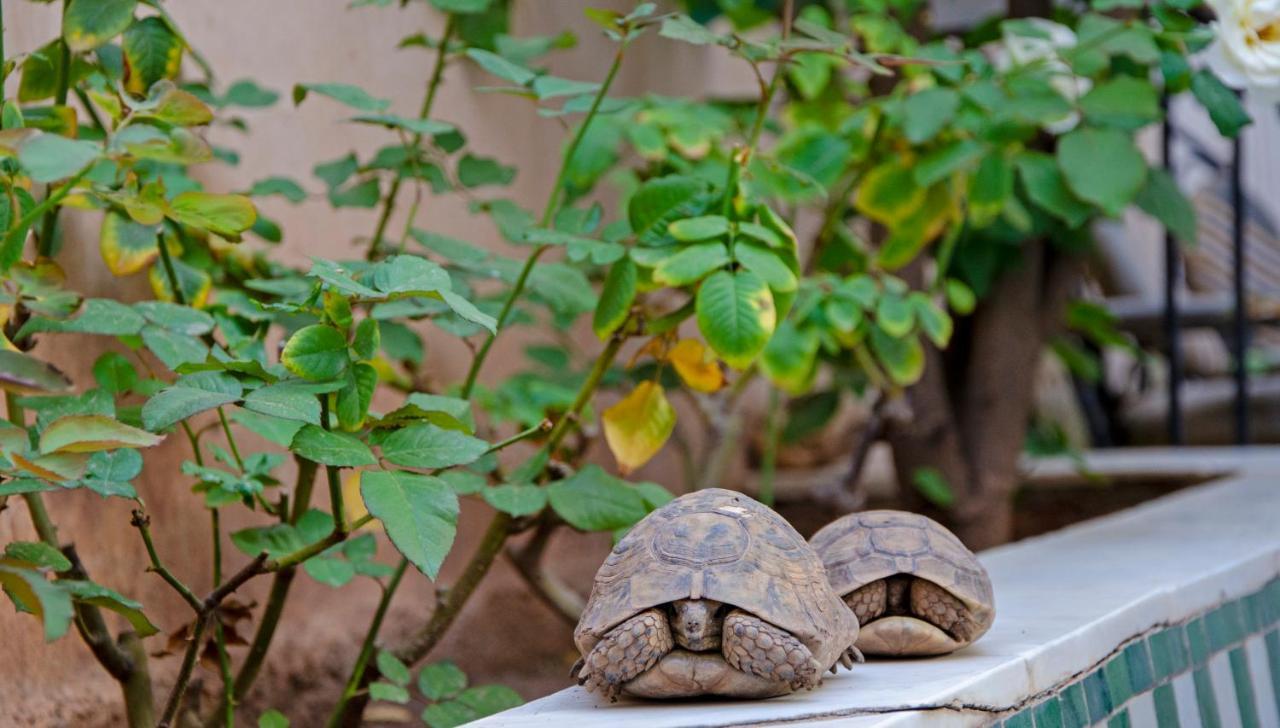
[[1246, 52]]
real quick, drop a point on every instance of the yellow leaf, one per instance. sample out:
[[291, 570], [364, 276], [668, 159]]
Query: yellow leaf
[[637, 427], [696, 365], [355, 502], [127, 247]]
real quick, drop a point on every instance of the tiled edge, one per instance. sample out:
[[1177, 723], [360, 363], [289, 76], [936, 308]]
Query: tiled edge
[[1220, 667]]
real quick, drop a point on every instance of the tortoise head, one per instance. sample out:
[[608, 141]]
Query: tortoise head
[[696, 624]]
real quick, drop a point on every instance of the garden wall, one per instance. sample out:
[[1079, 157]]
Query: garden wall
[[1166, 614]]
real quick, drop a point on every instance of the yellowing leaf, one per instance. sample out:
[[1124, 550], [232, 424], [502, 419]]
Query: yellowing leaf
[[637, 427], [356, 508], [696, 365], [91, 433], [127, 247]]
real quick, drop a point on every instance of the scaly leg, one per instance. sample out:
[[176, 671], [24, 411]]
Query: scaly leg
[[626, 651], [868, 602], [754, 646], [937, 606]]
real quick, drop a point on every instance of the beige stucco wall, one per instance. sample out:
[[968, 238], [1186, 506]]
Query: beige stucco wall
[[280, 43]]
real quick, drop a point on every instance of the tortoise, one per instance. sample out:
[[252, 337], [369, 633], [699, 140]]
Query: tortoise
[[711, 594], [915, 589]]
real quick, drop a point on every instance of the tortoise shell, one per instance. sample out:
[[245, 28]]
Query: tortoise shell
[[722, 545], [861, 548]]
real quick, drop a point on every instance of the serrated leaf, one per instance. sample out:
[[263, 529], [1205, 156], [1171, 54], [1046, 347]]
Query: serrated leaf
[[1224, 107], [33, 593], [501, 67], [902, 358], [91, 433], [49, 157], [392, 668], [691, 264], [790, 357], [441, 680], [153, 53], [87, 24], [1046, 187], [175, 404], [419, 513], [659, 202], [705, 227], [126, 246], [1102, 166], [516, 500], [331, 448], [616, 297], [767, 264], [735, 315], [1162, 199], [24, 374], [316, 352], [88, 592], [344, 93], [639, 425], [224, 215], [428, 446], [593, 500], [37, 554]]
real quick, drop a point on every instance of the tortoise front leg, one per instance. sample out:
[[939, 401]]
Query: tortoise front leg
[[626, 651], [754, 646], [936, 605], [868, 602]]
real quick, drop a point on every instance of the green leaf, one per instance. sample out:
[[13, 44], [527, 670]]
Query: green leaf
[[423, 127], [420, 514], [40, 73], [501, 67], [429, 446], [392, 668], [461, 7], [97, 316], [273, 719], [468, 311], [945, 161], [153, 52], [87, 24], [735, 315], [790, 357], [344, 93], [935, 322], [989, 189], [683, 28], [87, 592], [1102, 166], [691, 264], [1045, 186], [925, 113], [895, 315], [516, 500], [352, 401], [441, 680], [388, 692], [108, 473], [316, 352], [113, 373], [767, 264], [367, 339], [273, 429], [931, 484], [224, 215], [410, 274], [37, 554], [593, 500], [283, 186], [177, 403], [889, 193], [31, 592], [91, 433], [476, 171], [451, 413], [660, 202], [1222, 103], [331, 448], [692, 229], [1125, 102], [26, 374], [616, 297], [1162, 199], [902, 358], [50, 158]]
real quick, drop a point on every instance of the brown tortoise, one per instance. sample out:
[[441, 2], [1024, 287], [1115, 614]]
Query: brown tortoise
[[915, 589], [712, 594]]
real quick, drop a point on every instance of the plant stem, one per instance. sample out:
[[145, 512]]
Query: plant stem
[[228, 683], [437, 73], [49, 226], [139, 703], [179, 296], [40, 519], [334, 478], [142, 522], [366, 648], [216, 526], [231, 439], [543, 426], [179, 690], [335, 537], [548, 212], [50, 202]]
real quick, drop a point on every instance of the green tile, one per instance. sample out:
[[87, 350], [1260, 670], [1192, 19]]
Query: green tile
[[1075, 709], [1169, 652], [1273, 662], [1253, 610], [1244, 688], [1224, 626], [1095, 693], [1119, 720], [1021, 719], [1119, 686], [1205, 700], [1166, 707], [1198, 641], [1139, 661], [1048, 714]]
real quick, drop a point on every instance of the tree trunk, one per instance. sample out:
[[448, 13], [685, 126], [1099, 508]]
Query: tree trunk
[[971, 407]]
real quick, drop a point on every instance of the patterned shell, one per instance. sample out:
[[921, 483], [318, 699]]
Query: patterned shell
[[863, 547], [721, 545]]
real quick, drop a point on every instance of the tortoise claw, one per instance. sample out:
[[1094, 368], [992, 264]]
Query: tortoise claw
[[577, 666]]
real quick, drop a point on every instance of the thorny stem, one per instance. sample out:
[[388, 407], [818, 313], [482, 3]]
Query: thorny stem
[[174, 702], [367, 647], [548, 212], [228, 682], [437, 73], [142, 522]]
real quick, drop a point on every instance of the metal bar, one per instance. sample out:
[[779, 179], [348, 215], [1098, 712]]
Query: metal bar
[[1240, 321], [1172, 326]]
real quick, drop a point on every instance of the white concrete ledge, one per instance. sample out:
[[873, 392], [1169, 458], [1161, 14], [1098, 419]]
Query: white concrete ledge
[[1066, 603]]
